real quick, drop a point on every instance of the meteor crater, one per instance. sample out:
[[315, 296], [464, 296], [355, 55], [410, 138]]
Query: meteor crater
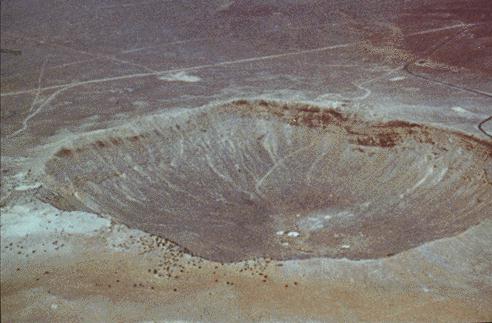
[[267, 179]]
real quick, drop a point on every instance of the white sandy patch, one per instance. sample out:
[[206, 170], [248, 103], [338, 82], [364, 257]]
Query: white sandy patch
[[180, 77], [40, 218], [26, 187], [461, 110], [293, 234], [397, 78]]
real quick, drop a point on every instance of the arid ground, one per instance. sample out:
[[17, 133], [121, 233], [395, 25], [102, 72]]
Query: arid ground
[[246, 161]]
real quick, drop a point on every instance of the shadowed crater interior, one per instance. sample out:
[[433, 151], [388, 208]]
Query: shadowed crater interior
[[264, 179]]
